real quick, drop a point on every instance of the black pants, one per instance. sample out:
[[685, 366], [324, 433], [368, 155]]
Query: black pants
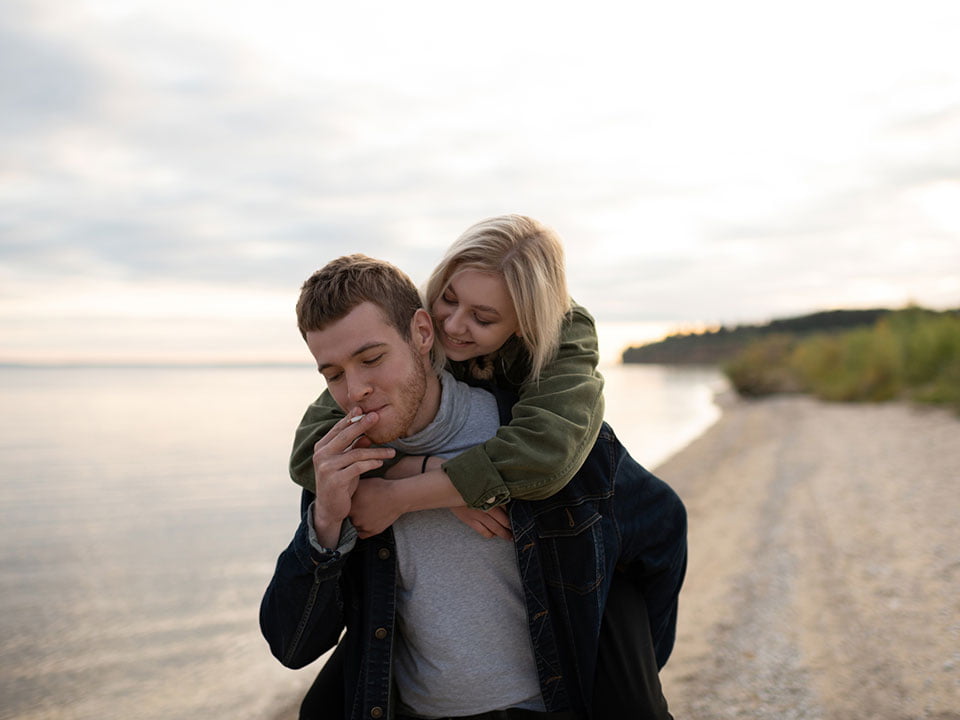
[[627, 685], [324, 699], [508, 714]]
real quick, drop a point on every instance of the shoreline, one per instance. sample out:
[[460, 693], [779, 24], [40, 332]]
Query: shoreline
[[824, 571]]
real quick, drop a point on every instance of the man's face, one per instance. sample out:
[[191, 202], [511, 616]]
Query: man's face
[[368, 364]]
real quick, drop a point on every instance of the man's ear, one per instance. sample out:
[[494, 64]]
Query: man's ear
[[421, 331]]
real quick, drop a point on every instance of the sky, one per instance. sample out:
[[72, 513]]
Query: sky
[[171, 172]]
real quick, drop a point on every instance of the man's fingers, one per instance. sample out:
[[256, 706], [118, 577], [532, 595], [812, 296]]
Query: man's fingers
[[346, 432], [355, 463], [361, 442], [356, 455], [365, 466], [333, 431]]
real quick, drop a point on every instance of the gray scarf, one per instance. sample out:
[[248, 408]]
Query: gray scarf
[[449, 421]]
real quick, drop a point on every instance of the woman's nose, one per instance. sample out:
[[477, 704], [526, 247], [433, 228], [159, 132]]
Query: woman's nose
[[454, 324]]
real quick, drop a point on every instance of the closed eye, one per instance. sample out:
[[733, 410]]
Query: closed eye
[[370, 362]]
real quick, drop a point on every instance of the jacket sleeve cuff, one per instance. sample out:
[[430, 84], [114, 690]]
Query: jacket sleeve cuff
[[475, 477], [320, 555]]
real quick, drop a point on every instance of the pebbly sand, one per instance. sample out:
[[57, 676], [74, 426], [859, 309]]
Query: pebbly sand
[[824, 575]]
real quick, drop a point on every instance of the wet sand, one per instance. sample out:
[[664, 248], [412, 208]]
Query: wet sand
[[824, 575]]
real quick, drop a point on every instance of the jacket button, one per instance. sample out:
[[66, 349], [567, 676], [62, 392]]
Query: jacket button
[[380, 633], [383, 553], [376, 712]]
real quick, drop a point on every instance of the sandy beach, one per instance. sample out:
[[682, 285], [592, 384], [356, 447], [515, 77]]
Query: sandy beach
[[824, 575]]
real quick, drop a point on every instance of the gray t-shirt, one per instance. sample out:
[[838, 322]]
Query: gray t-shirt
[[463, 645]]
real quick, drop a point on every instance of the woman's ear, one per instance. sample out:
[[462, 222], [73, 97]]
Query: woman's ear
[[421, 331]]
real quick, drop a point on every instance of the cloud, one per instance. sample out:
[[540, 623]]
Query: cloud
[[697, 171], [43, 80]]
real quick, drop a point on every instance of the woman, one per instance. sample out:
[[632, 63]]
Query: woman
[[503, 318]]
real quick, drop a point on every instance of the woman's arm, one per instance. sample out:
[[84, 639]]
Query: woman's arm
[[373, 511], [418, 483], [555, 424]]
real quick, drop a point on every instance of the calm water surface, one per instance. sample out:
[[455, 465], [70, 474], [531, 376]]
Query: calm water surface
[[143, 509]]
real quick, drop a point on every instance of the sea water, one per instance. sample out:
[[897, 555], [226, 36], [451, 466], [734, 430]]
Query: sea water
[[141, 513]]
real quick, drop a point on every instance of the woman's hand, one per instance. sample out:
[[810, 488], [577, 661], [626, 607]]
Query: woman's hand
[[488, 523]]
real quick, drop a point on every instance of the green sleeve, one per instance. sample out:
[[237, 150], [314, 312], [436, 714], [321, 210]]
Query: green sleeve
[[555, 424], [322, 415]]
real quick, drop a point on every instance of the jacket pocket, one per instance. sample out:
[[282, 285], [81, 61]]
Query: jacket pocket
[[571, 542]]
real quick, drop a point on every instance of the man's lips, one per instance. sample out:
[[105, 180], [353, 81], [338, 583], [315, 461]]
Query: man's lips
[[377, 410]]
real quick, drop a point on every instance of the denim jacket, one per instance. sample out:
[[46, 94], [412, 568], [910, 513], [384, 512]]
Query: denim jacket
[[613, 516]]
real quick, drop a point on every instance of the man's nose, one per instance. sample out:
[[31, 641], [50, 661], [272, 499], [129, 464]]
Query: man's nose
[[358, 387]]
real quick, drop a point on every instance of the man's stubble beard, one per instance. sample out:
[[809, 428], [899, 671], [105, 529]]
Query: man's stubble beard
[[413, 389]]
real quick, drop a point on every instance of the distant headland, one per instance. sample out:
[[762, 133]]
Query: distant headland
[[717, 347]]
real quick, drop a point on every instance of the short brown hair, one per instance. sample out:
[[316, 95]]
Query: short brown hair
[[334, 290], [339, 286]]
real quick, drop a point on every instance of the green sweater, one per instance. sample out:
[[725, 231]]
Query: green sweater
[[555, 423]]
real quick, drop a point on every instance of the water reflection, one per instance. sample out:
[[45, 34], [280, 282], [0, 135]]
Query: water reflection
[[656, 410]]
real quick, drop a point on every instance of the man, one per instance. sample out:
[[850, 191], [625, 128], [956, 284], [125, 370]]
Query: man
[[440, 622]]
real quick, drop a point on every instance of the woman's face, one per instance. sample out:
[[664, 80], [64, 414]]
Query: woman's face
[[474, 315]]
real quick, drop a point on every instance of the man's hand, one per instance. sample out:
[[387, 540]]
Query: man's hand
[[375, 506], [489, 523], [339, 459]]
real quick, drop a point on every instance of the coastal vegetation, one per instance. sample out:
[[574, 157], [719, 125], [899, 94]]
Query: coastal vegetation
[[909, 354], [843, 355], [719, 346]]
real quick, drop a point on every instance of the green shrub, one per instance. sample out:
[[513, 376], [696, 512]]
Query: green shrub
[[944, 389], [931, 343], [913, 353], [762, 367], [816, 362]]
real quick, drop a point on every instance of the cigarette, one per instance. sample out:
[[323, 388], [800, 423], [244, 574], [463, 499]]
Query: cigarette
[[358, 418]]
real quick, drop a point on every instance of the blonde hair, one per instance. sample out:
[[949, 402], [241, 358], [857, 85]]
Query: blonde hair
[[529, 257], [333, 291]]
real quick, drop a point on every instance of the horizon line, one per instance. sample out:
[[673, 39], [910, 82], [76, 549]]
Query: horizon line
[[148, 364]]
